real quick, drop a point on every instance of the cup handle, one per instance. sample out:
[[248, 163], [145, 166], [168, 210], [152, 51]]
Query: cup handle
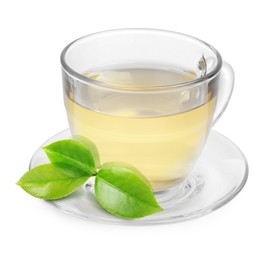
[[227, 78]]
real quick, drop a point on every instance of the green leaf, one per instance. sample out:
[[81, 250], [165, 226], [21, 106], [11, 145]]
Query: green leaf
[[123, 191], [71, 152], [93, 148], [51, 182]]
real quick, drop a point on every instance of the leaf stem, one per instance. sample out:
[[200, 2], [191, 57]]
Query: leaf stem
[[93, 173]]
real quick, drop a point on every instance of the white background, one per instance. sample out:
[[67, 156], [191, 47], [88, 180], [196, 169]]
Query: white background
[[33, 33]]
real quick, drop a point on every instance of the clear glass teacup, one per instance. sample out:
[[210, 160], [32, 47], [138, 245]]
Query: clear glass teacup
[[145, 97]]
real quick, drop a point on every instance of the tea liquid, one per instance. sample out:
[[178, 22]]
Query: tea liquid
[[160, 134]]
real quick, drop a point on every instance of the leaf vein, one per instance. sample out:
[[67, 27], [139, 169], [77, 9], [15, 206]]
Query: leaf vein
[[49, 181]]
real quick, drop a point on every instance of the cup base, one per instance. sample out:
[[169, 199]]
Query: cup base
[[179, 193], [219, 175]]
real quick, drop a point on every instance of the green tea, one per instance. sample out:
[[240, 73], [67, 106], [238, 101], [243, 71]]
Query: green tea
[[152, 132]]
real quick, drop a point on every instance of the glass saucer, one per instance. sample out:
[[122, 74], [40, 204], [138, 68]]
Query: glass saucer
[[219, 175]]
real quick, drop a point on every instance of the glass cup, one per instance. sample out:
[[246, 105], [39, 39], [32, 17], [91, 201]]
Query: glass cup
[[145, 97]]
